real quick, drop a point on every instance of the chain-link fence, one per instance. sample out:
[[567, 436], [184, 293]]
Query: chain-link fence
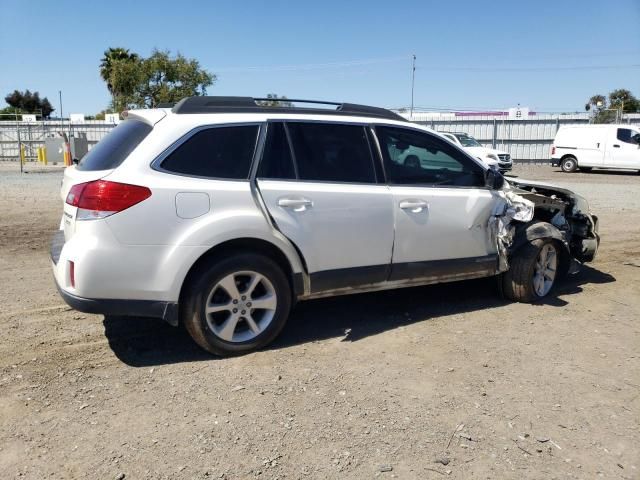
[[528, 141], [33, 134]]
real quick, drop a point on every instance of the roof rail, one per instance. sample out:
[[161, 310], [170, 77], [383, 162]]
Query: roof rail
[[202, 104]]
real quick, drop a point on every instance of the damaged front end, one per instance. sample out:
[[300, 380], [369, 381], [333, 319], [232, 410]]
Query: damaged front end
[[533, 210]]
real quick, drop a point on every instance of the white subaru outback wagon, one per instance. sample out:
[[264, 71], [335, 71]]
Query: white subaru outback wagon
[[220, 214]]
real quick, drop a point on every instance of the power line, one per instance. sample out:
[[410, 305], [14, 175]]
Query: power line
[[533, 69], [311, 66]]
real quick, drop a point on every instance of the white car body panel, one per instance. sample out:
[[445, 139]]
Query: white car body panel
[[345, 226], [453, 225]]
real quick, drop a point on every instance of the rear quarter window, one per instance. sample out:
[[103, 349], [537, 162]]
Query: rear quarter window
[[217, 152], [111, 151]]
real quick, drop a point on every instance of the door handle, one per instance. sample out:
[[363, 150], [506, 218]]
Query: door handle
[[416, 206], [297, 204], [616, 146]]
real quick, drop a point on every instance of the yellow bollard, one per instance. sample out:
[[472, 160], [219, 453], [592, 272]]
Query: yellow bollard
[[44, 155], [22, 153], [39, 154]]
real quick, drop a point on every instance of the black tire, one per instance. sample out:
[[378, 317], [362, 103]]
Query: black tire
[[208, 277], [569, 164], [585, 169], [518, 281]]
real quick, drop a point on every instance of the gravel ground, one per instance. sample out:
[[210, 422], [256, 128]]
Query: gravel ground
[[442, 381]]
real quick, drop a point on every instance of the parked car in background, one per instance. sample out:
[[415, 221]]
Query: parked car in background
[[489, 156], [596, 146], [220, 214]]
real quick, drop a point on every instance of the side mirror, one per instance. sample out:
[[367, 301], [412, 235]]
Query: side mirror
[[493, 179], [636, 138], [75, 161]]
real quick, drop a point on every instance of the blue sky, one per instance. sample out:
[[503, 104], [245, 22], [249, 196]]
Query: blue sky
[[470, 54]]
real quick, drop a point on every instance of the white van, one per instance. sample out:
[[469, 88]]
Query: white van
[[596, 146]]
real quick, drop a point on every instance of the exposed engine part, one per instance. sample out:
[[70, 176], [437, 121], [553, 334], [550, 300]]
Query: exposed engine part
[[536, 210]]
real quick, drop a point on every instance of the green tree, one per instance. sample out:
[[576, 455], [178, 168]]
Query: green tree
[[607, 110], [114, 59], [624, 100], [28, 102], [597, 102], [273, 100], [166, 79], [125, 77], [161, 78]]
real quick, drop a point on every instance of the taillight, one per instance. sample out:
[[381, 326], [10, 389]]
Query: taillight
[[553, 150], [101, 198]]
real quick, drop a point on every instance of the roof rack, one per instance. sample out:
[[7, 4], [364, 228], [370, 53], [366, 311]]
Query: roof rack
[[204, 104]]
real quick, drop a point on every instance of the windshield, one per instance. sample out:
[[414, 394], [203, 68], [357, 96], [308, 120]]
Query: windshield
[[468, 141]]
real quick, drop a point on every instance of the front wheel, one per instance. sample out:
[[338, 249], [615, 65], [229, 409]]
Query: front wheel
[[569, 164], [237, 305], [533, 271]]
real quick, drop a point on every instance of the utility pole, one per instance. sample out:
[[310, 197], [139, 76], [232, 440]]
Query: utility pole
[[413, 81], [19, 141], [60, 98]]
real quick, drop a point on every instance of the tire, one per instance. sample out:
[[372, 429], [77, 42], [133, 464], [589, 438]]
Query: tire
[[569, 164], [232, 287], [521, 282]]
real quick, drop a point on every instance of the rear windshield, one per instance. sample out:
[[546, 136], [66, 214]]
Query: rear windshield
[[111, 151]]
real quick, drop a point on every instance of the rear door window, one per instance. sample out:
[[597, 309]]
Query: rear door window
[[332, 152], [111, 151], [277, 162], [217, 152]]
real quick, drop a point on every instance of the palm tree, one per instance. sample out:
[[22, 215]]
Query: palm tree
[[112, 55], [597, 101]]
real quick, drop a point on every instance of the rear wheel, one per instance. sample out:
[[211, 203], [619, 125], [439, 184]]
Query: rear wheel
[[533, 272], [237, 305], [569, 164]]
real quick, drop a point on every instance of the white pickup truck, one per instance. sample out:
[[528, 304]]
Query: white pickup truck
[[596, 146], [488, 156]]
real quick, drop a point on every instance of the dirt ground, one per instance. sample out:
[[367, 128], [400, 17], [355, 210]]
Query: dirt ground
[[435, 382]]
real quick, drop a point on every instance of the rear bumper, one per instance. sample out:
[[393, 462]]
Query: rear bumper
[[555, 162], [168, 311]]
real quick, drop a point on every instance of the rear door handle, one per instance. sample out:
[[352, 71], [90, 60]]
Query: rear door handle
[[297, 204], [414, 205]]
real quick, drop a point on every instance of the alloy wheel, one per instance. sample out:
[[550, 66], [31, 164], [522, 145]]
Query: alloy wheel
[[241, 306], [544, 272]]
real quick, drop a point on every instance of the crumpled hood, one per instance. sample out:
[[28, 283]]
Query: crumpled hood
[[580, 204]]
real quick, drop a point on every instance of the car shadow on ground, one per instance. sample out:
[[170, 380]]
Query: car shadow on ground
[[143, 342]]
